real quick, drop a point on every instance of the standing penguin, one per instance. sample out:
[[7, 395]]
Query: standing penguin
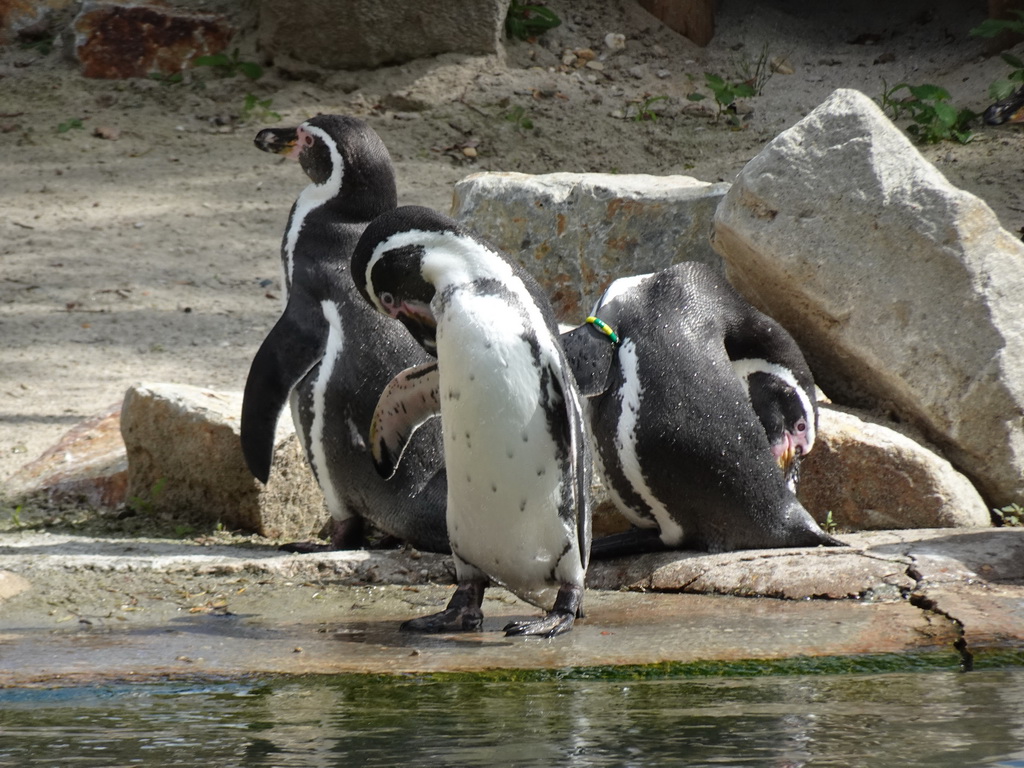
[[515, 448], [331, 354], [699, 406]]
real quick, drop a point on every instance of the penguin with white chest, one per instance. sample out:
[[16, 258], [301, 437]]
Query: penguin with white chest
[[516, 452], [330, 354], [700, 407]]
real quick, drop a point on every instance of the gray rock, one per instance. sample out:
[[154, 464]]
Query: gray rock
[[576, 232], [185, 460], [902, 290], [872, 477], [361, 34]]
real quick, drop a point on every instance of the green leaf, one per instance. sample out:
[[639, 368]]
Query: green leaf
[[989, 28], [714, 81], [945, 113], [250, 69], [1001, 89], [929, 92], [1013, 61], [695, 96], [216, 60]]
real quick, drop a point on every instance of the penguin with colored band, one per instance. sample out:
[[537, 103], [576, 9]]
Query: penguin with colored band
[[699, 409], [330, 354], [516, 451]]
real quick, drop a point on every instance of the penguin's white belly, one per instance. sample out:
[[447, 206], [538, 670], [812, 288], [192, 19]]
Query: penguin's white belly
[[504, 475]]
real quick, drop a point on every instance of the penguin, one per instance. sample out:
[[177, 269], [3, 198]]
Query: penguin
[[515, 446], [330, 354], [698, 406]]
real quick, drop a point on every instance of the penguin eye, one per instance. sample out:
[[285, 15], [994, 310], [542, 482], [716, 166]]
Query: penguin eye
[[307, 140], [387, 299], [801, 426]]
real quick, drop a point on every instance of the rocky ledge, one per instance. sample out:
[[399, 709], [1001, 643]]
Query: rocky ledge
[[74, 609]]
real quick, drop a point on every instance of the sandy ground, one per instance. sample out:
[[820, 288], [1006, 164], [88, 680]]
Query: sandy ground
[[143, 245]]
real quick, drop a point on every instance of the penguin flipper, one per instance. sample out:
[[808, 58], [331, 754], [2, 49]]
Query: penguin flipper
[[407, 401], [635, 541], [294, 345], [590, 355]]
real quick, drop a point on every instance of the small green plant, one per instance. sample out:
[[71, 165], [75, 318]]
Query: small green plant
[[934, 118], [525, 20], [725, 93], [1001, 89], [72, 123], [830, 524], [172, 79], [255, 108], [145, 504], [760, 72], [644, 111], [520, 118], [229, 66], [993, 27], [16, 516], [43, 45], [1011, 515]]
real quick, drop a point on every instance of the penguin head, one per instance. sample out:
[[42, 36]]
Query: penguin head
[[1008, 110], [387, 267], [407, 256], [344, 159], [783, 413]]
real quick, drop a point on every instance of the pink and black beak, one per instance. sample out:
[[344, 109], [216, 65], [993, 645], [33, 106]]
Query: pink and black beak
[[279, 141]]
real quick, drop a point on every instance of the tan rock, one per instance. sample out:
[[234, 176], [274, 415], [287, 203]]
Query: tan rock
[[86, 466], [185, 459], [872, 477]]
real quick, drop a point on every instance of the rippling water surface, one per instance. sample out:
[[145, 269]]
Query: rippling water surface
[[920, 719]]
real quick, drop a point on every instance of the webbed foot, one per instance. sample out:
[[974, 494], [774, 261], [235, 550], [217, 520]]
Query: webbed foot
[[568, 605], [463, 613], [345, 535]]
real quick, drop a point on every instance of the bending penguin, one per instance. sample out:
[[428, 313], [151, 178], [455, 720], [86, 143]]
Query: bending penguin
[[700, 407], [330, 354], [515, 449]]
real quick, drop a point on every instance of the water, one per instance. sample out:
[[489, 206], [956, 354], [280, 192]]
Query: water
[[913, 719]]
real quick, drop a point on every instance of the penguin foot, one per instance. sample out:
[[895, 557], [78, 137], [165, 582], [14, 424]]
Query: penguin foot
[[345, 534], [463, 613], [568, 605]]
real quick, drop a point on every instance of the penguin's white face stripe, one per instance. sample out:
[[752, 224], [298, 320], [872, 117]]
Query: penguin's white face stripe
[[313, 196], [449, 259], [317, 457], [619, 287], [625, 443], [744, 369]]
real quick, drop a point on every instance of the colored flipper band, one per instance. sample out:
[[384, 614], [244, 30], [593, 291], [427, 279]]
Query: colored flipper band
[[604, 328]]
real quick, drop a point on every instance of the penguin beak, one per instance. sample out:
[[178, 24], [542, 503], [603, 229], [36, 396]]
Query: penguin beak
[[279, 141], [423, 328], [786, 452], [1009, 110]]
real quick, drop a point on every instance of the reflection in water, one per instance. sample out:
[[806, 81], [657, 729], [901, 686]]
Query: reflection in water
[[934, 719]]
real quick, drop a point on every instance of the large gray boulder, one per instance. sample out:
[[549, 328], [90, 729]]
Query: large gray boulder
[[903, 291], [871, 476], [577, 232], [185, 462], [362, 34]]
